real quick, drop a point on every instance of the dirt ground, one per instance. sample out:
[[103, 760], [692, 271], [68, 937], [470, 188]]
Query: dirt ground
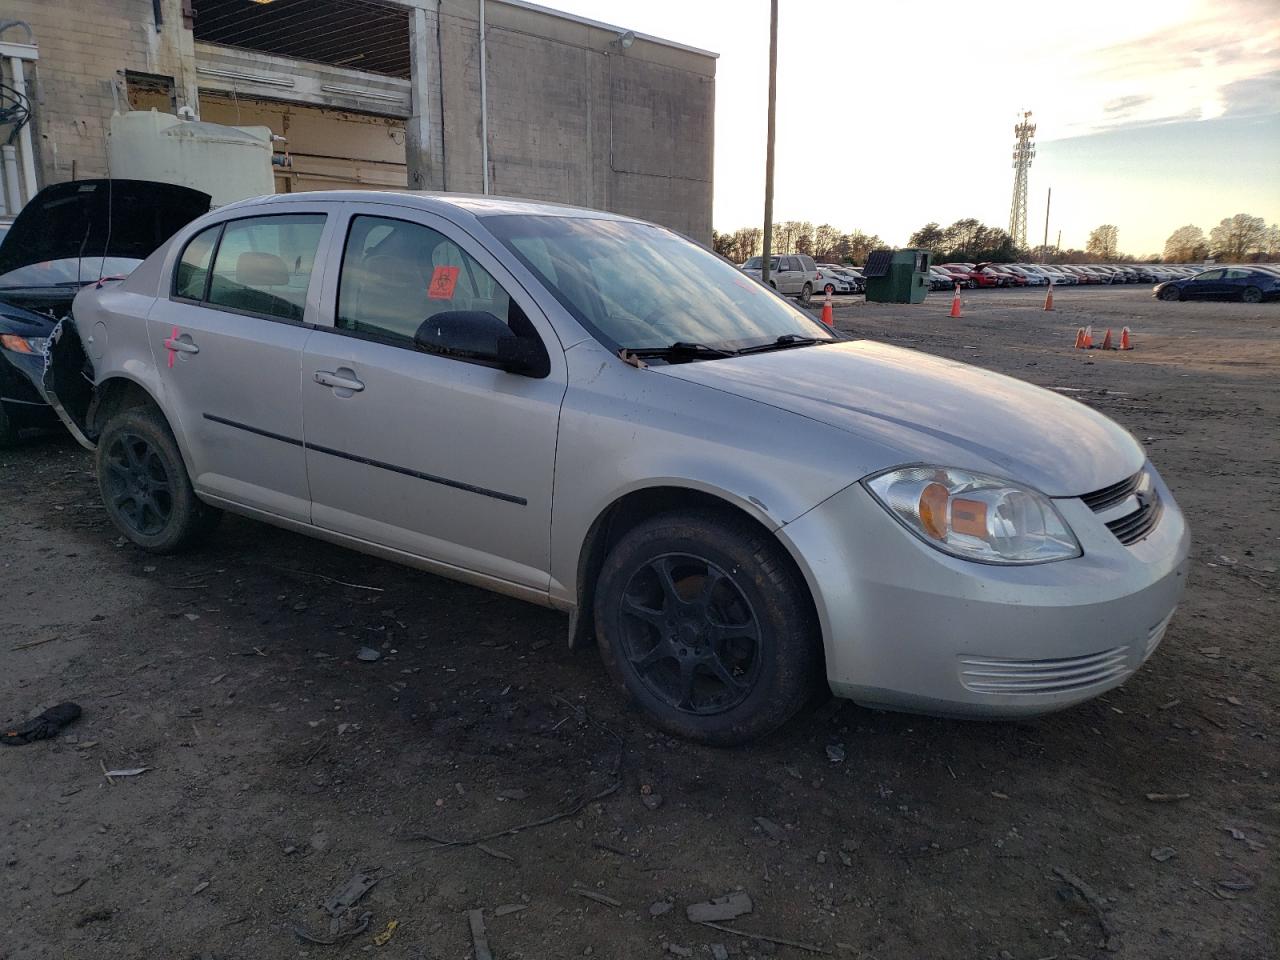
[[279, 765]]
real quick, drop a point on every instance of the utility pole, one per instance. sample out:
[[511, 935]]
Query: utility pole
[[768, 163], [1044, 247], [1024, 152]]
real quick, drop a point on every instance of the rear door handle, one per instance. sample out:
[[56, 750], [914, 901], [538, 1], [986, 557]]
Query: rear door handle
[[339, 380], [181, 345]]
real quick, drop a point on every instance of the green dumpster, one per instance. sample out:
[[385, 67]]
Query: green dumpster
[[897, 276]]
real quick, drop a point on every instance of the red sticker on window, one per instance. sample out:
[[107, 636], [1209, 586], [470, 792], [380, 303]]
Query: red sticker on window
[[442, 283]]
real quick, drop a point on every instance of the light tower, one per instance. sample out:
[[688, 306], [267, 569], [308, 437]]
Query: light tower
[[1024, 151]]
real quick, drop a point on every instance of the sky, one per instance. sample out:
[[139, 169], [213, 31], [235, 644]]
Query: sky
[[1150, 114]]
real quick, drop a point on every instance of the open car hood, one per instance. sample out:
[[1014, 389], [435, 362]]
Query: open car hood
[[95, 218]]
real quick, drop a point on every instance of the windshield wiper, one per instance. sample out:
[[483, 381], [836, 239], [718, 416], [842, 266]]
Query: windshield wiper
[[681, 350], [785, 341]]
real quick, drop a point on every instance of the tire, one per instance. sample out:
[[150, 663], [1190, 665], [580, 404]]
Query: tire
[[806, 294], [8, 432], [144, 484], [1170, 293], [705, 626], [1251, 295], [830, 288]]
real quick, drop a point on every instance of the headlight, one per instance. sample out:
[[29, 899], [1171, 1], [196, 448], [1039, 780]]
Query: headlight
[[974, 516], [17, 344]]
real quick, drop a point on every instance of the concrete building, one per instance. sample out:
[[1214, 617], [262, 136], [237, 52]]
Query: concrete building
[[507, 97]]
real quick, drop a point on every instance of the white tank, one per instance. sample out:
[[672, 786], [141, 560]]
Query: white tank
[[228, 163]]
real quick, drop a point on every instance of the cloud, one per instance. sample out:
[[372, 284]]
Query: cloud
[[1123, 105], [1252, 96]]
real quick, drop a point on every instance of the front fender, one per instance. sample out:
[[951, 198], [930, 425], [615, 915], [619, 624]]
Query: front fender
[[624, 430]]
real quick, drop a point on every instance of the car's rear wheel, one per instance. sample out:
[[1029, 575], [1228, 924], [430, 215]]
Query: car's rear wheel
[[1251, 295], [806, 294], [705, 625], [1170, 293], [829, 289], [145, 486]]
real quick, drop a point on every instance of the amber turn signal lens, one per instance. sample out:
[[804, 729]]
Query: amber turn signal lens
[[969, 517], [933, 510], [17, 344]]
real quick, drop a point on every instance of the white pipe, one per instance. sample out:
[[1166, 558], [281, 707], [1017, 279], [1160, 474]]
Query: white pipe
[[11, 182], [24, 135], [484, 101]]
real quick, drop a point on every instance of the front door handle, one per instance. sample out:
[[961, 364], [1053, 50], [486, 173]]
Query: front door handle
[[341, 379]]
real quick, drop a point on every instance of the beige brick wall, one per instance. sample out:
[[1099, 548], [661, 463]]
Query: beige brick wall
[[79, 80]]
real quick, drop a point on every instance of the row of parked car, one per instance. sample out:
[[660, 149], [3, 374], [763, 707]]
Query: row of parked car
[[969, 275], [800, 276]]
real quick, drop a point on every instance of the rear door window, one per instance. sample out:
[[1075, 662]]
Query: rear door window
[[263, 265], [192, 275]]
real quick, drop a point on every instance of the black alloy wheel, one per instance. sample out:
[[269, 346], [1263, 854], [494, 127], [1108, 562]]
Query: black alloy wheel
[[136, 484], [1251, 295], [690, 634], [1170, 293]]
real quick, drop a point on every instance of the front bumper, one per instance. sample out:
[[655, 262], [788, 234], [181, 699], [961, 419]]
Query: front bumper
[[23, 404], [907, 627]]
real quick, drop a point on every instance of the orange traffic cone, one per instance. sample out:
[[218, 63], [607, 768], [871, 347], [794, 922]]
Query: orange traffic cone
[[955, 302], [1124, 340], [1079, 338], [1048, 299], [1106, 341], [826, 313], [1088, 337]]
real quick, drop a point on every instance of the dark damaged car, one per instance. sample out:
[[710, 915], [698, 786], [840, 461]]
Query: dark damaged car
[[70, 235]]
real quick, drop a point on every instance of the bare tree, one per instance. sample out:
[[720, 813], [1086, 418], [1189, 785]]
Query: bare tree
[[825, 238], [1103, 241], [1271, 242], [746, 243], [1186, 244], [1237, 237]]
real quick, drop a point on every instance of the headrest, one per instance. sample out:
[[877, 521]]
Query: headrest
[[261, 270]]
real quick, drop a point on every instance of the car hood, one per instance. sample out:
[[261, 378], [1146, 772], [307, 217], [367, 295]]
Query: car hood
[[113, 218], [909, 407]]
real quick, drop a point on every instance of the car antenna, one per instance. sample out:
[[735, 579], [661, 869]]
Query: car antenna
[[80, 255], [102, 264]]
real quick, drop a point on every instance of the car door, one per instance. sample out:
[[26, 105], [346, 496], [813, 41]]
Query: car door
[[228, 341], [792, 276], [1205, 285], [431, 455], [1234, 282]]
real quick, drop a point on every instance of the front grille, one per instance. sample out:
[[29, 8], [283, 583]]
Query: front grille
[[1139, 521], [1116, 493], [1129, 530], [991, 676]]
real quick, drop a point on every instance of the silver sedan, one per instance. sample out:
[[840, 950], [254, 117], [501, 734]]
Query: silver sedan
[[740, 506]]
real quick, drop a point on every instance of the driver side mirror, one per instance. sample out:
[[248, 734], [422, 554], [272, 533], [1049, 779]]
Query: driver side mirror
[[479, 337]]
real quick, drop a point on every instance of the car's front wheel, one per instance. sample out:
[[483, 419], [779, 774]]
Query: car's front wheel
[[1251, 295], [706, 626], [1170, 293], [145, 486]]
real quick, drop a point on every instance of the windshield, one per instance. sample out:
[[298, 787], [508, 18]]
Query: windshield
[[55, 273], [754, 263], [639, 286]]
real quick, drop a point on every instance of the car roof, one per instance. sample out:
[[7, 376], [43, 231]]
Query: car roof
[[477, 205]]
